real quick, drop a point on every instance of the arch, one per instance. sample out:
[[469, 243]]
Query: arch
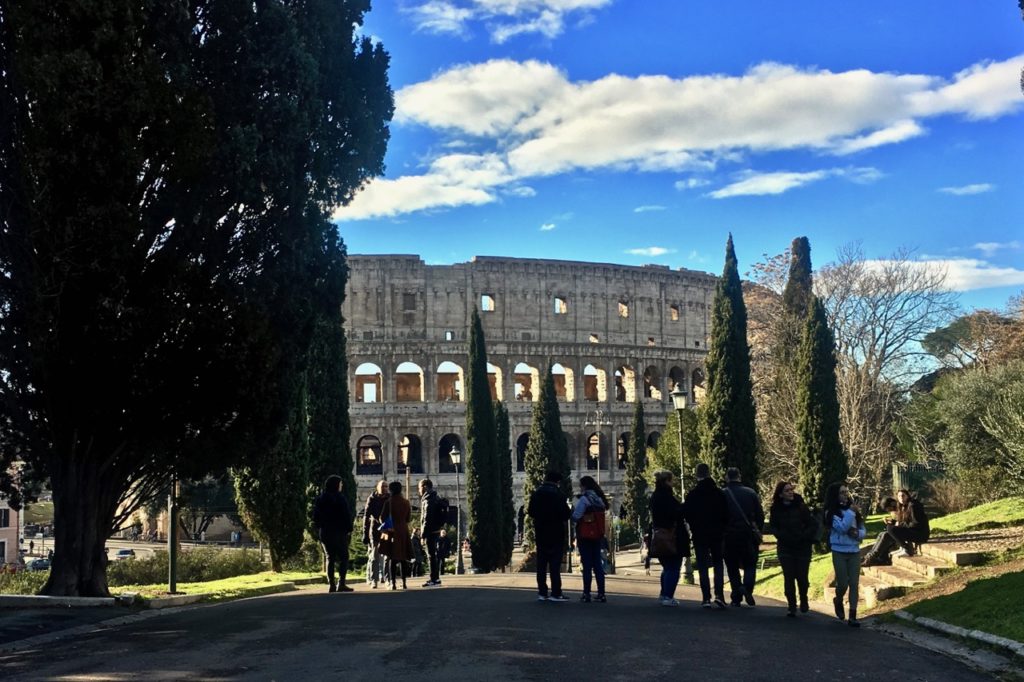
[[596, 455], [652, 383], [622, 449], [652, 439], [521, 444], [676, 377], [625, 384], [369, 383], [444, 446], [369, 456], [526, 382], [565, 384], [408, 383], [697, 382], [494, 380], [450, 380], [410, 454], [595, 384]]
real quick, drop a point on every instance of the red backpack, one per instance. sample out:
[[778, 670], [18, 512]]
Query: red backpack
[[591, 526]]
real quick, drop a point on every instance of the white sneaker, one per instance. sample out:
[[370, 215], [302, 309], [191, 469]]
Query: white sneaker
[[666, 601], [899, 552]]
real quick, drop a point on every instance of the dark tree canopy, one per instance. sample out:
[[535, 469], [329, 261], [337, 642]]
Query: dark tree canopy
[[819, 449], [167, 171], [637, 511], [508, 502], [483, 494], [799, 286], [728, 433], [546, 450]]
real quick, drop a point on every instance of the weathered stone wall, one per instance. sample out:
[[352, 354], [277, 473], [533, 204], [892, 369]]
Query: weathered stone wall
[[650, 324]]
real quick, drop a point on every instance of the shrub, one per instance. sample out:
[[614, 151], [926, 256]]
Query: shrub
[[948, 496], [197, 565], [22, 582]]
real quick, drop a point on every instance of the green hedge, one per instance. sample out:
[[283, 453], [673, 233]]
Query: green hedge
[[197, 565], [23, 582]]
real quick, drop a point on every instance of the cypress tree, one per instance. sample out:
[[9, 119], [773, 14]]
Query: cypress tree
[[637, 511], [821, 456], [728, 433], [482, 495], [546, 451], [508, 504], [796, 297]]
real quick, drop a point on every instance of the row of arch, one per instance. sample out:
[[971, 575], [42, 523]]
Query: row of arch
[[594, 454], [410, 383]]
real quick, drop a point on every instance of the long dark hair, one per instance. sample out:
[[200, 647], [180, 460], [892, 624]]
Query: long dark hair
[[831, 506], [588, 483], [797, 503]]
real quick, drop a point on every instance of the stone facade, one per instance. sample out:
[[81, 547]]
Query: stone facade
[[614, 334], [9, 546]]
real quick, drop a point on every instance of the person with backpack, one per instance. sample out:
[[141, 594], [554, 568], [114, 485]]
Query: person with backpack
[[550, 512], [332, 519], [433, 514], [796, 530], [742, 537], [589, 516], [846, 529], [907, 527], [667, 519], [373, 516]]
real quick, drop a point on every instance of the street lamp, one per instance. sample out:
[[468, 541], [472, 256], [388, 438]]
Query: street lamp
[[679, 397], [456, 456], [596, 423]]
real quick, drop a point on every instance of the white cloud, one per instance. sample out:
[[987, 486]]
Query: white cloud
[[691, 183], [648, 208], [650, 251], [751, 183], [438, 16], [539, 123], [968, 274], [964, 190], [989, 249], [522, 191], [504, 19], [547, 227]]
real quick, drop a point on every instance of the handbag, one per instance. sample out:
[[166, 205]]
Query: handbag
[[755, 534], [591, 526], [389, 522], [663, 543]]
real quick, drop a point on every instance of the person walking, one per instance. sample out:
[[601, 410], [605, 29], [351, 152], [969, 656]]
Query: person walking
[[588, 514], [796, 530], [707, 514], [550, 511], [667, 517], [742, 537], [846, 526], [432, 518], [373, 516], [396, 544], [333, 521]]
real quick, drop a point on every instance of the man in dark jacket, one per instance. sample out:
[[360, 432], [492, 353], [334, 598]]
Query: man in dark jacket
[[550, 514], [431, 523], [741, 541], [333, 521], [373, 515], [707, 514]]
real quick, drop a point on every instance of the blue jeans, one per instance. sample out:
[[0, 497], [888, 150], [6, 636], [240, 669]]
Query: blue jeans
[[590, 555], [670, 568], [710, 556]]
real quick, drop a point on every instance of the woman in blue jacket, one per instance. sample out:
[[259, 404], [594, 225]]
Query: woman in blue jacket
[[847, 530]]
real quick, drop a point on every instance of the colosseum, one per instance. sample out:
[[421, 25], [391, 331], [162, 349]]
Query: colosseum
[[612, 334]]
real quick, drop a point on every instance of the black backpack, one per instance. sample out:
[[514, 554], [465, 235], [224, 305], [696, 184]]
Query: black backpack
[[922, 520]]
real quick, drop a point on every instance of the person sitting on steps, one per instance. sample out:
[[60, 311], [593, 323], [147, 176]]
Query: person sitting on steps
[[907, 527]]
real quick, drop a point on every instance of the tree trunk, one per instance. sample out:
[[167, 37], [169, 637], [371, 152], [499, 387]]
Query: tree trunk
[[83, 512]]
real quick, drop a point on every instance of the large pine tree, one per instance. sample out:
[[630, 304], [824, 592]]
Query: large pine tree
[[508, 502], [483, 496], [637, 511], [821, 455], [546, 450], [728, 433]]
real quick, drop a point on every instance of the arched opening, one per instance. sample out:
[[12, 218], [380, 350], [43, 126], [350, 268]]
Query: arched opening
[[369, 459], [565, 391], [652, 383], [596, 459], [444, 447], [622, 449], [449, 382], [625, 384], [697, 379], [526, 382], [410, 454], [676, 377], [408, 383], [521, 444], [652, 439], [369, 383], [595, 384], [494, 381]]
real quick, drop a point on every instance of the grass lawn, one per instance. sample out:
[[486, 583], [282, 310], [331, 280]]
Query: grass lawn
[[1005, 512], [991, 605], [229, 588], [39, 513]]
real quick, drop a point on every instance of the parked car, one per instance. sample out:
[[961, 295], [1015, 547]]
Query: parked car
[[39, 565], [124, 554]]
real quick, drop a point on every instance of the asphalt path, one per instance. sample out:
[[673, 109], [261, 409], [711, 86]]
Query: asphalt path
[[475, 628]]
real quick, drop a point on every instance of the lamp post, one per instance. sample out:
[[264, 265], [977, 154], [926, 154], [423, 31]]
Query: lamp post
[[172, 535], [406, 450], [597, 423], [456, 456], [679, 397]]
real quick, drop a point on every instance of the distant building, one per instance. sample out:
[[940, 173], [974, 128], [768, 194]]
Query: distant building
[[613, 333], [8, 533]]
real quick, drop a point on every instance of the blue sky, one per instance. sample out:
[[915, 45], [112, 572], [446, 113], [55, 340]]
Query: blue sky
[[645, 131]]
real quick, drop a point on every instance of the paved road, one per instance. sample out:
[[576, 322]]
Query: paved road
[[477, 628]]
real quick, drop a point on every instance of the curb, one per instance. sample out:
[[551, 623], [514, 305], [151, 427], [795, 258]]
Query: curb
[[1008, 645], [42, 601]]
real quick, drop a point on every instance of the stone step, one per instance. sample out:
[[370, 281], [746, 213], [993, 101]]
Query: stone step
[[872, 590], [952, 554], [927, 566], [894, 575]]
